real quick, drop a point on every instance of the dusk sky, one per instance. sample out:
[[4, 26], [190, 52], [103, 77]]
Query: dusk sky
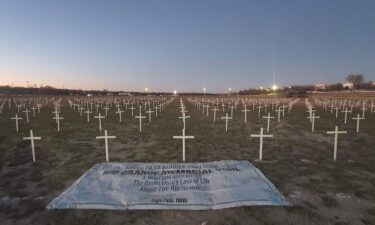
[[185, 45]]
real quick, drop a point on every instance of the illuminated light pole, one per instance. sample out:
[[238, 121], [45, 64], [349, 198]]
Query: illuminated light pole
[[204, 91], [146, 90], [230, 90], [175, 92], [261, 89], [274, 88]]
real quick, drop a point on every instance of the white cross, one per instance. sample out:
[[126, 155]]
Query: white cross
[[106, 137], [58, 118], [363, 110], [259, 108], [358, 118], [278, 114], [100, 117], [88, 115], [149, 115], [132, 109], [268, 117], [245, 112], [226, 118], [80, 110], [312, 119], [215, 109], [140, 117], [207, 107], [346, 111], [27, 115], [183, 117], [106, 110], [222, 104], [336, 132], [337, 111], [261, 136], [183, 137], [33, 108], [32, 138], [16, 118], [119, 113], [231, 110], [156, 110]]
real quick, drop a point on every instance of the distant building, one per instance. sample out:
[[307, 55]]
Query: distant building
[[124, 94], [348, 85], [320, 86]]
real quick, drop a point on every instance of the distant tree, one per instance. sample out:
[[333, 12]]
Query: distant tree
[[336, 87], [356, 79]]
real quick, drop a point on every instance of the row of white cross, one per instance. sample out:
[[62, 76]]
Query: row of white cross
[[182, 107]]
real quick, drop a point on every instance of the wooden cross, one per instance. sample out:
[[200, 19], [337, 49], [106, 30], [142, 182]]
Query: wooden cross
[[215, 109], [27, 115], [312, 119], [337, 111], [336, 132], [183, 117], [156, 110], [222, 104], [261, 136], [100, 117], [88, 115], [132, 109], [32, 138], [245, 112], [140, 117], [346, 111], [278, 114], [149, 114], [226, 118], [268, 117], [231, 110], [16, 118], [358, 118], [106, 137], [183, 137], [363, 110], [259, 108], [106, 110], [119, 113], [207, 107], [58, 118], [33, 108]]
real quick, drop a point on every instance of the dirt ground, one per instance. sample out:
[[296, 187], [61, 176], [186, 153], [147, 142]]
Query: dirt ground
[[297, 162]]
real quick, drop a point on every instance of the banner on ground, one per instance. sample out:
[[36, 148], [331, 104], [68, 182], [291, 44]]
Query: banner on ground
[[184, 186]]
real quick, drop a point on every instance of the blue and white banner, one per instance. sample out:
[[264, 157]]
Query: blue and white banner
[[183, 186]]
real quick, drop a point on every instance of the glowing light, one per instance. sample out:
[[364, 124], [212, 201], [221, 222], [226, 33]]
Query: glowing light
[[146, 89], [274, 87], [175, 92]]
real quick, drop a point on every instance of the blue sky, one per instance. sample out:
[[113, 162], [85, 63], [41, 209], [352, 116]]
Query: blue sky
[[185, 45]]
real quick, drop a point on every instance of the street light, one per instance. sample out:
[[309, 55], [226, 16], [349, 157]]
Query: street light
[[274, 88], [175, 92], [204, 91]]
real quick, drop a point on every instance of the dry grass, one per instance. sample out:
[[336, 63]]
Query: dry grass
[[299, 164]]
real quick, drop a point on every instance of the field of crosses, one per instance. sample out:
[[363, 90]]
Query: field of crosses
[[319, 152]]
